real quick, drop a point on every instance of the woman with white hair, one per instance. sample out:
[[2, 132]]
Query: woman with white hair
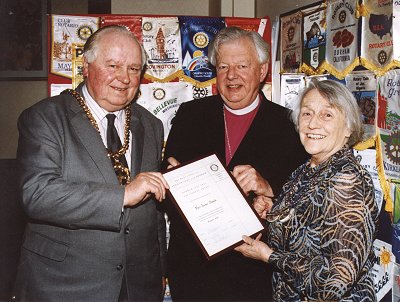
[[322, 226]]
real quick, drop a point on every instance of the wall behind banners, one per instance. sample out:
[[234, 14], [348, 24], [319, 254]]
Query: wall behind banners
[[355, 42], [177, 47]]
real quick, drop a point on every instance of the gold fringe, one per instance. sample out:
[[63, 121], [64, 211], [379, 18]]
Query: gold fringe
[[340, 74], [167, 79], [381, 173], [185, 78], [379, 71], [369, 143], [308, 70], [362, 11]]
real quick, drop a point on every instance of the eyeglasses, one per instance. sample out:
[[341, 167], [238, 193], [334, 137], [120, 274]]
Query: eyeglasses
[[282, 215]]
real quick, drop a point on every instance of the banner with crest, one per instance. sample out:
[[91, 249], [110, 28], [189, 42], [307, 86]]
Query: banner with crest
[[164, 99], [314, 42], [363, 86], [66, 31], [388, 140], [162, 42], [342, 31], [376, 35], [291, 42], [196, 34]]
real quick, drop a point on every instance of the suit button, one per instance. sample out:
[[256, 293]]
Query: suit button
[[127, 230], [120, 267]]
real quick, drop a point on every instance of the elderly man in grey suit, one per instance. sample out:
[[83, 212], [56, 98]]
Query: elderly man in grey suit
[[89, 160]]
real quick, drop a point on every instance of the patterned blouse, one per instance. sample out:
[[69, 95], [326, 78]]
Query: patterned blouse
[[323, 251]]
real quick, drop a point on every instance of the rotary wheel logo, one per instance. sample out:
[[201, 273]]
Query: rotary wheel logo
[[393, 147], [382, 57], [199, 93], [159, 94], [290, 33], [84, 32], [147, 26], [342, 16], [200, 39]]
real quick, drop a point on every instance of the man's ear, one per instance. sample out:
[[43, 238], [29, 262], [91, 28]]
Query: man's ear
[[264, 72], [85, 67]]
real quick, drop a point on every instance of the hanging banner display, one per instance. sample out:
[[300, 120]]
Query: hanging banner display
[[162, 42], [396, 33], [388, 141], [133, 23], [363, 86], [250, 24], [383, 268], [196, 35], [291, 42], [163, 100], [202, 92], [67, 30], [376, 35], [291, 84], [367, 158], [77, 64], [314, 42], [341, 44]]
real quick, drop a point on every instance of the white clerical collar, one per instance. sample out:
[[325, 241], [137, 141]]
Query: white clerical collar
[[245, 110]]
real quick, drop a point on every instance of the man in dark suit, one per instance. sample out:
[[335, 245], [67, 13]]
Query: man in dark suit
[[258, 144], [90, 186]]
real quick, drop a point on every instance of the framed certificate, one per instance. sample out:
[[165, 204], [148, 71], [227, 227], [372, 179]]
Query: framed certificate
[[212, 205]]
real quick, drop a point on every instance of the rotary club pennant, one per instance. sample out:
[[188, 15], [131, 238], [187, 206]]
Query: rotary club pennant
[[291, 42], [341, 44], [164, 99], [65, 31], [202, 92], [291, 84], [133, 23], [367, 158], [162, 42], [383, 268], [376, 35], [396, 33], [363, 86], [77, 64], [314, 42], [388, 140], [196, 34], [250, 24]]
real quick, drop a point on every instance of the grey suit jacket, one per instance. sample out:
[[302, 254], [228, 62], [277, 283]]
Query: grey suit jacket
[[77, 243]]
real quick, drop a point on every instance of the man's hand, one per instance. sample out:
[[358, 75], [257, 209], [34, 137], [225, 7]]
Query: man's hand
[[144, 185], [251, 181]]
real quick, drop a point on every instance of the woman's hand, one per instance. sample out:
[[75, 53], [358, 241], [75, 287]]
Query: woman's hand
[[254, 248], [262, 205]]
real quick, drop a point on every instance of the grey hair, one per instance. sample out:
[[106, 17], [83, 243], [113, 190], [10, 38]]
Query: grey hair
[[229, 34], [339, 97], [91, 46]]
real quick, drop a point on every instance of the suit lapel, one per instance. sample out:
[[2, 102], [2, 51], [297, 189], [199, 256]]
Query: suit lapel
[[92, 142], [137, 141]]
